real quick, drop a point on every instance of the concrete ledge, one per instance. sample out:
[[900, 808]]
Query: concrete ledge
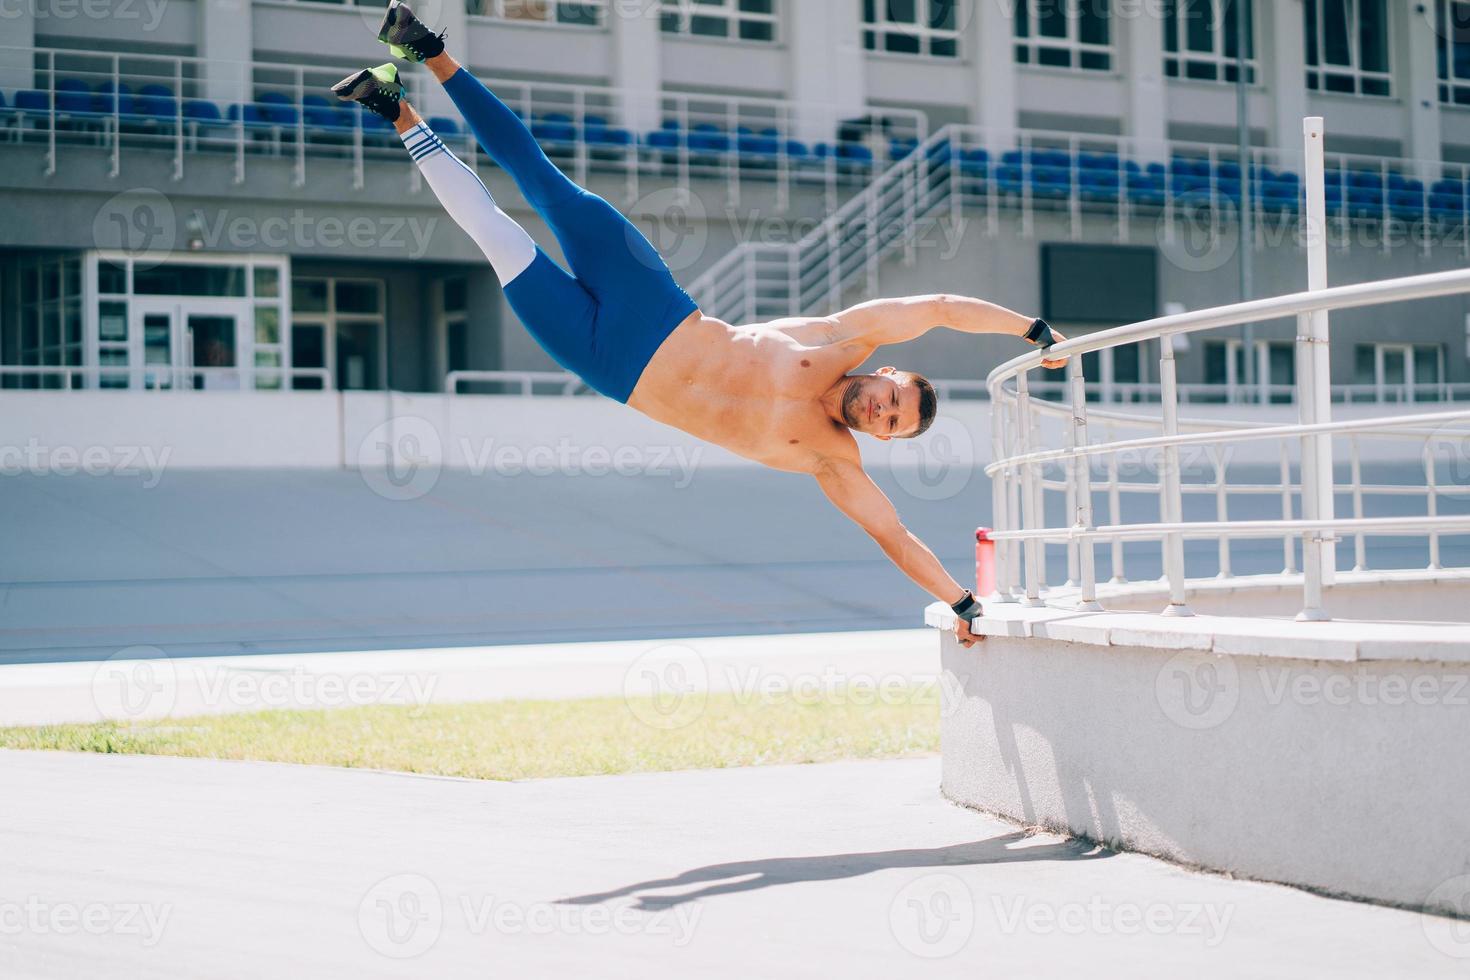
[[1259, 626], [1323, 755]]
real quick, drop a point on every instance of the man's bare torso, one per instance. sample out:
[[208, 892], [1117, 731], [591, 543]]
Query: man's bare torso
[[754, 390]]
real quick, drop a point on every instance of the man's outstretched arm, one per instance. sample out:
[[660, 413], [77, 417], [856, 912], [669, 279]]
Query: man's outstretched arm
[[856, 495], [882, 322]]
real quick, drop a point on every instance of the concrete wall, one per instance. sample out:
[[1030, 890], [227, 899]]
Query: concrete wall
[[209, 430], [1341, 776]]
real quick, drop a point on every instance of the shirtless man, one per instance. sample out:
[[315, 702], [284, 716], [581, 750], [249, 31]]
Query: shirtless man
[[779, 393]]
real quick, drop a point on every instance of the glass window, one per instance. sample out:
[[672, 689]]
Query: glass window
[[111, 278], [181, 279], [455, 294], [918, 27], [267, 282], [1452, 41], [359, 296], [1065, 34], [744, 20], [1199, 39], [309, 296], [1426, 365], [572, 13], [267, 325], [1347, 46], [112, 320]]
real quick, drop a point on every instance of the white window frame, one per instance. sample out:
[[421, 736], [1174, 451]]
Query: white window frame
[[444, 318], [1410, 383], [1234, 375], [1216, 56], [505, 11], [1449, 81], [919, 28], [1353, 71], [328, 320], [729, 10], [1034, 43]]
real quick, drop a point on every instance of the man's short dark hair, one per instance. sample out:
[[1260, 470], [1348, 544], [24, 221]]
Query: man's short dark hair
[[928, 403]]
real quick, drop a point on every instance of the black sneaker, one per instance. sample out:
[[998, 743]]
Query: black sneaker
[[406, 36], [378, 89]]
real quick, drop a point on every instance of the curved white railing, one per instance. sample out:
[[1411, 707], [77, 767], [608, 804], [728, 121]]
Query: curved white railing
[[1019, 480]]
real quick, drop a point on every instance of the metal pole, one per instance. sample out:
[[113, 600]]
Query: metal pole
[[1171, 502], [1031, 518], [1247, 213], [1000, 491], [1315, 407], [1320, 349], [1082, 489]]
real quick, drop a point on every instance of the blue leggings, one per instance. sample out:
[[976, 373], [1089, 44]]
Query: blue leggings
[[606, 320]]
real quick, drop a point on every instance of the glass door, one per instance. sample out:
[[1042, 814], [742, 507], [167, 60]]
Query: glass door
[[213, 341], [151, 347]]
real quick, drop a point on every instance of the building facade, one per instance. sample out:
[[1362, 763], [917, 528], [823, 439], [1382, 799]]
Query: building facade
[[185, 209]]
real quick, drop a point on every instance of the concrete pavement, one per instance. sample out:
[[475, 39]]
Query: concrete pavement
[[133, 866], [141, 683]]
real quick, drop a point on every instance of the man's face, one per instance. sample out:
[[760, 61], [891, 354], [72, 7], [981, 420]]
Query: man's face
[[884, 405]]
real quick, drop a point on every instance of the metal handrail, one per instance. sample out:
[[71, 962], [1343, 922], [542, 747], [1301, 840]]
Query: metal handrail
[[298, 141], [1018, 472], [568, 384], [154, 374]]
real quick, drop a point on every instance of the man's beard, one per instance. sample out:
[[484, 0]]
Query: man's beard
[[852, 410]]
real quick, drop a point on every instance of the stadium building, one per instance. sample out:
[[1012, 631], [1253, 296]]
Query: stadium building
[[186, 206]]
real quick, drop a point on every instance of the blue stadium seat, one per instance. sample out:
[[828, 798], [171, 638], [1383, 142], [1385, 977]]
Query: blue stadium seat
[[707, 139], [1099, 161], [604, 140], [554, 129], [899, 149], [1407, 199], [1365, 202], [757, 148], [445, 128], [75, 100], [113, 97], [1098, 184], [1447, 206], [156, 103], [324, 118], [1010, 172], [1146, 185], [30, 101], [278, 108], [204, 116], [253, 116], [975, 162]]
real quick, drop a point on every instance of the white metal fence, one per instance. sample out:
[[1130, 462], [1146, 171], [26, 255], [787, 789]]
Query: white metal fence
[[1025, 468], [1178, 188], [192, 110]]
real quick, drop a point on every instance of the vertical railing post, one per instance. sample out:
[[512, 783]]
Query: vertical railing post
[[1115, 512], [178, 119], [1082, 490], [116, 116], [1000, 491], [1288, 543], [1031, 520], [1172, 502], [1315, 380], [1431, 504], [1219, 455], [1360, 547]]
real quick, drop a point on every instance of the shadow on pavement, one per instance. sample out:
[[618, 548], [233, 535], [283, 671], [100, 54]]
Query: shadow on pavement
[[744, 876]]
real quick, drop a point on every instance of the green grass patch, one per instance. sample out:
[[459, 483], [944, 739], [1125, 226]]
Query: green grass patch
[[534, 739]]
